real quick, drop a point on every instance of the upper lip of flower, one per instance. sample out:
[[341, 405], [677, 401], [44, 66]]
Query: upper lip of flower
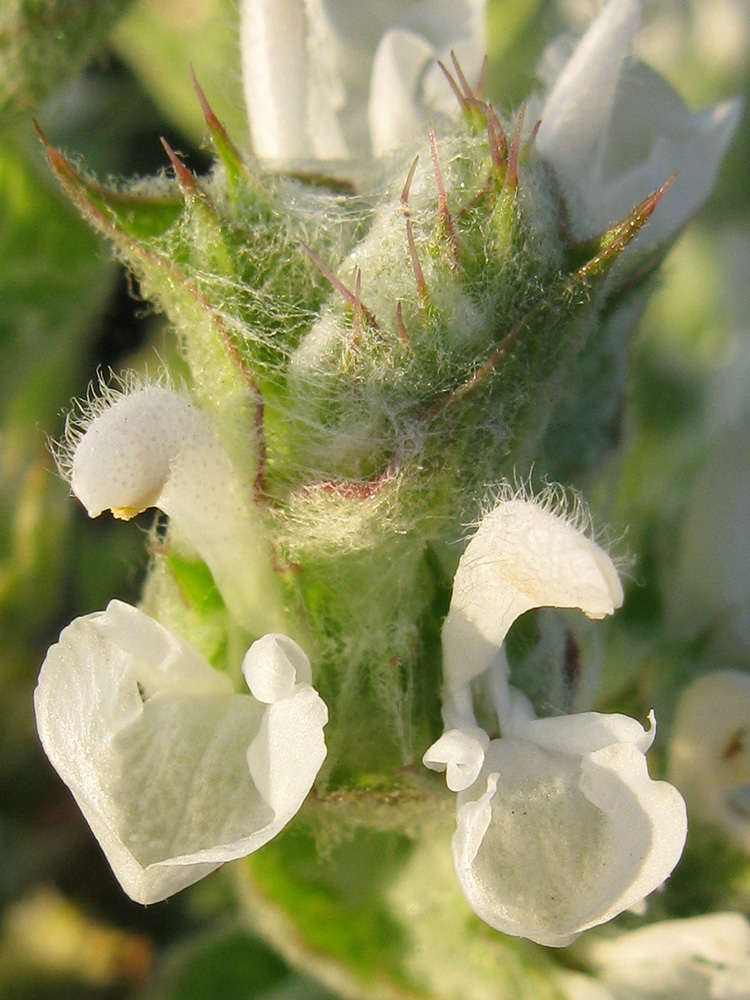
[[150, 446]]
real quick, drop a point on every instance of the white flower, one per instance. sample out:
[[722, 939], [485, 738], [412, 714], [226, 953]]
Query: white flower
[[151, 447], [331, 79], [523, 556], [174, 772], [701, 958], [709, 756], [614, 131], [564, 828], [560, 827]]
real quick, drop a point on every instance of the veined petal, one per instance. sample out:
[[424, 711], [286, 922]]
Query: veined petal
[[523, 556], [549, 844], [174, 772]]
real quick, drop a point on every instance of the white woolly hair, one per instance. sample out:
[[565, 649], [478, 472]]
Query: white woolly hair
[[564, 502], [101, 395]]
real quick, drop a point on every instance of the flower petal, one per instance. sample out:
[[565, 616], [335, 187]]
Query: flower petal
[[280, 71], [273, 666], [710, 591], [395, 111], [155, 748], [523, 556], [308, 68], [699, 957], [550, 844], [460, 754], [152, 447], [577, 112], [668, 138], [614, 132], [285, 756], [616, 779], [584, 732]]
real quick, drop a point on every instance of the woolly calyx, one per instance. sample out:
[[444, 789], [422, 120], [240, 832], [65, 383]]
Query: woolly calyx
[[316, 74], [709, 756], [613, 130], [174, 772], [151, 447], [524, 555]]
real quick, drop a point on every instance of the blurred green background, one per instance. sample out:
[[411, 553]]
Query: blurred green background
[[108, 79]]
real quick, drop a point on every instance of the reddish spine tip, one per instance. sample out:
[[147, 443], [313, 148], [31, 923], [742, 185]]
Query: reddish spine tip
[[454, 87], [422, 290], [482, 81], [409, 179], [224, 145], [208, 114], [468, 92], [647, 207], [444, 212], [403, 333], [57, 160], [511, 178], [497, 141], [185, 178], [328, 273], [529, 144], [351, 298]]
